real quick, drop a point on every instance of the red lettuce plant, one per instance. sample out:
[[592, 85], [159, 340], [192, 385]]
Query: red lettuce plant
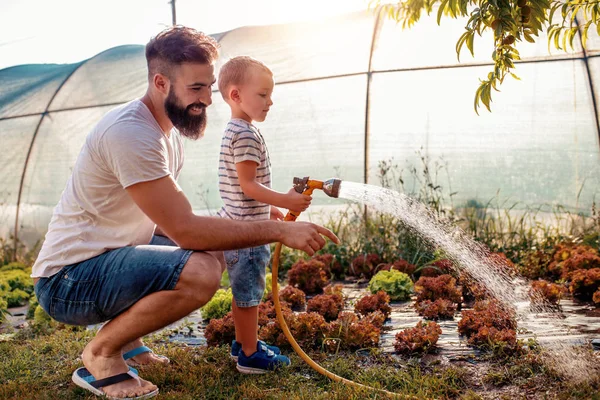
[[334, 289], [294, 296], [438, 267], [492, 338], [420, 339], [266, 311], [308, 329], [374, 302], [365, 265], [503, 264], [584, 283], [550, 292], [441, 287], [570, 257], [309, 276], [439, 309], [400, 265], [331, 263], [486, 313], [351, 333], [220, 331], [328, 305]]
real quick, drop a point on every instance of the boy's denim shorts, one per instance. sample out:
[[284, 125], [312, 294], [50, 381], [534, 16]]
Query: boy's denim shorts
[[101, 288], [246, 268]]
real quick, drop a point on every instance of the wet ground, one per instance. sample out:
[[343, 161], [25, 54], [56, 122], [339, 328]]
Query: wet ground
[[577, 323], [573, 323]]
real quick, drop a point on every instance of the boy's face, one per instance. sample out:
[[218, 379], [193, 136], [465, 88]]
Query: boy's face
[[255, 96]]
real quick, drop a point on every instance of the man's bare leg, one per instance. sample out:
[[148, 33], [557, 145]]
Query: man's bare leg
[[149, 357], [102, 357], [143, 358]]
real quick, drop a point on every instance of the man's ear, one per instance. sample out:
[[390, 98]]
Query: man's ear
[[234, 94], [161, 83]]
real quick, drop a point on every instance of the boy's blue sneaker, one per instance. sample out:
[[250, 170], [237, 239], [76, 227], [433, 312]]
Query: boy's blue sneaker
[[261, 362], [236, 348]]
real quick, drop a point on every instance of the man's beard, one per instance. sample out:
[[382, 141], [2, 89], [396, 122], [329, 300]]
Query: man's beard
[[190, 126]]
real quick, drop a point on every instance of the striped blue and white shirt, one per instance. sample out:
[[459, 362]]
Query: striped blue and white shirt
[[242, 141]]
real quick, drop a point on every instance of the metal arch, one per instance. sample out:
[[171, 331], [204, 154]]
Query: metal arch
[[35, 133], [37, 128], [590, 80]]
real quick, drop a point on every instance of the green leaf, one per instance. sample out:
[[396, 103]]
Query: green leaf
[[470, 42], [441, 11]]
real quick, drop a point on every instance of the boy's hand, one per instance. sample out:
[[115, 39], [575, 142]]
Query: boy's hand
[[276, 214], [297, 202]]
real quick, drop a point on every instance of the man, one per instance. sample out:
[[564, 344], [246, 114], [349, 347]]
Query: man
[[96, 264]]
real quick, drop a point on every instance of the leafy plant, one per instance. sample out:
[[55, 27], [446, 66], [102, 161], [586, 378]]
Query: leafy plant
[[365, 265], [569, 257], [218, 305], [220, 330], [308, 329], [328, 305], [420, 339], [441, 287], [400, 265], [550, 292], [294, 296], [439, 309], [370, 303], [584, 283], [309, 276], [510, 22], [351, 333], [486, 314], [396, 284]]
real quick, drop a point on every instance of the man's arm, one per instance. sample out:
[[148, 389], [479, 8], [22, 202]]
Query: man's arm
[[166, 205]]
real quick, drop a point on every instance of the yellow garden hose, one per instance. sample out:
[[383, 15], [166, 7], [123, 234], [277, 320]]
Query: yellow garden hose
[[286, 331]]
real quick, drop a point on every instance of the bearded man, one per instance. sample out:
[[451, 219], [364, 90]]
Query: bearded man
[[123, 244]]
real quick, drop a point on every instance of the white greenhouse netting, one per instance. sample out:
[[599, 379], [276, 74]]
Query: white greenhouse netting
[[351, 91]]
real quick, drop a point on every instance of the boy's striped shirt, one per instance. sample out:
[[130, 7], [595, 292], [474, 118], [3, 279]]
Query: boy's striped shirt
[[242, 141]]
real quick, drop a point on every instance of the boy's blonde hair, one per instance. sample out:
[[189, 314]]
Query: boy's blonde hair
[[236, 72]]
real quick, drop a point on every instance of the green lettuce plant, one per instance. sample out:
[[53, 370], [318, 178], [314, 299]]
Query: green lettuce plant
[[396, 284], [219, 305]]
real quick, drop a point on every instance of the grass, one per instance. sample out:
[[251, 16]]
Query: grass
[[39, 366]]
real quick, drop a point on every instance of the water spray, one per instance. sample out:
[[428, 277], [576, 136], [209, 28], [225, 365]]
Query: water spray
[[331, 188]]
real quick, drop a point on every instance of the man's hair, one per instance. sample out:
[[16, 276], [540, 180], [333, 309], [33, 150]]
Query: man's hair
[[236, 71], [177, 45]]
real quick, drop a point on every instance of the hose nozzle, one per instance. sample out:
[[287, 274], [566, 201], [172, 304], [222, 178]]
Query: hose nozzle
[[330, 187]]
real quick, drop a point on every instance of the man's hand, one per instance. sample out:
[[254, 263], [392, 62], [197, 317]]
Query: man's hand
[[306, 236]]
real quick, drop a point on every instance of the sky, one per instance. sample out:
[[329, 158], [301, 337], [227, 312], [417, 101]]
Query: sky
[[68, 31]]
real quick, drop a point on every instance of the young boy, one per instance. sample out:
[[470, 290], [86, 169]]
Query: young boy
[[246, 85]]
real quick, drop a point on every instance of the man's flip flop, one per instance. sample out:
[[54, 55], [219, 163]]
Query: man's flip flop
[[82, 378], [139, 350]]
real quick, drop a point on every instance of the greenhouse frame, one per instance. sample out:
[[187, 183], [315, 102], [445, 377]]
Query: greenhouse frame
[[351, 91]]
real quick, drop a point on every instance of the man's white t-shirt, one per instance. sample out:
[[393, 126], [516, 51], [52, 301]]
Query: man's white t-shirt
[[95, 212]]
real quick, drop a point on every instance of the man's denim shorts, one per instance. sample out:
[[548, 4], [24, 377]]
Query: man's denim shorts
[[246, 268], [99, 289]]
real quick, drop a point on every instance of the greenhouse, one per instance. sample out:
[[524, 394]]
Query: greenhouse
[[469, 262], [351, 92]]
